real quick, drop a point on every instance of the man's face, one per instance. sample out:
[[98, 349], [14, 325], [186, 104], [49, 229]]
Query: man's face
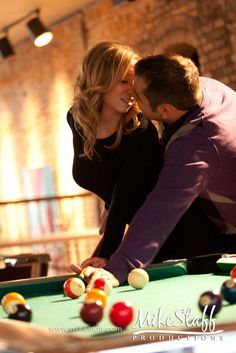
[[139, 87]]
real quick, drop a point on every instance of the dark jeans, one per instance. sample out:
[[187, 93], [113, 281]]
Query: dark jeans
[[195, 235]]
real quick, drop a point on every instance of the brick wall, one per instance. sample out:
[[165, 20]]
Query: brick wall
[[36, 84]]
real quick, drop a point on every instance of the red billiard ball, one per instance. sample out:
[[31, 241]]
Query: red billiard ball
[[99, 283], [91, 312], [21, 312], [210, 302], [105, 285], [228, 290], [233, 273], [74, 287], [121, 314]]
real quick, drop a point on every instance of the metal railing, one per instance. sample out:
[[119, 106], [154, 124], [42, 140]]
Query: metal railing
[[64, 226]]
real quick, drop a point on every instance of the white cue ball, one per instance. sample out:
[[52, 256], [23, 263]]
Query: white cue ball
[[138, 278]]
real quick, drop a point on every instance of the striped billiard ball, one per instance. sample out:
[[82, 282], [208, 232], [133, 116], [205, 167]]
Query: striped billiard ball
[[74, 287]]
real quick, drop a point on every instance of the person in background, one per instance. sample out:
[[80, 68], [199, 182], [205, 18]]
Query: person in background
[[199, 115], [117, 154]]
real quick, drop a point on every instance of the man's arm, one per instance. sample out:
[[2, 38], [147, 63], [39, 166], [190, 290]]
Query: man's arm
[[190, 165]]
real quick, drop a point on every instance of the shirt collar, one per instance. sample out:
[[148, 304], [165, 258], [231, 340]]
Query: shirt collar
[[170, 130]]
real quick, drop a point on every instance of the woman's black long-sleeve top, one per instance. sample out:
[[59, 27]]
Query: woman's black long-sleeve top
[[121, 177]]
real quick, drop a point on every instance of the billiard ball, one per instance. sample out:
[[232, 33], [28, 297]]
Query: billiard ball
[[105, 285], [10, 300], [96, 294], [228, 290], [21, 312], [74, 287], [121, 314], [138, 278], [91, 312], [233, 273], [210, 303], [99, 283]]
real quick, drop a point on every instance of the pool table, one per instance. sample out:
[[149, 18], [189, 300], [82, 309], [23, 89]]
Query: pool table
[[168, 303]]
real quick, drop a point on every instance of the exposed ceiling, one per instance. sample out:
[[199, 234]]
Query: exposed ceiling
[[51, 11]]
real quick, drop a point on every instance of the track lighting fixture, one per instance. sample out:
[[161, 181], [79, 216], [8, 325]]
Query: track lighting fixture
[[5, 47], [41, 35]]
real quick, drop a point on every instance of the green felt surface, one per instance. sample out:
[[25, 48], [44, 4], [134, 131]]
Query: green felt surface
[[167, 297]]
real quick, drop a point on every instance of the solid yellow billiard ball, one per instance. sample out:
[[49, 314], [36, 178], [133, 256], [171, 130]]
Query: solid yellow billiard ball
[[138, 278], [10, 300], [96, 294]]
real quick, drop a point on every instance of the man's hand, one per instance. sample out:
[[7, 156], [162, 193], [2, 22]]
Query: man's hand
[[94, 262], [90, 274]]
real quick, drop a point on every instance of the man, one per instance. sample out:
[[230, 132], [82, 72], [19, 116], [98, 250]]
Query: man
[[200, 160]]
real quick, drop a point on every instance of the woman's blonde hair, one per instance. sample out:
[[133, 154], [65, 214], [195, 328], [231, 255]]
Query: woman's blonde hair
[[104, 65]]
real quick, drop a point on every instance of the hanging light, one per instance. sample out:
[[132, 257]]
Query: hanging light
[[5, 47], [42, 36]]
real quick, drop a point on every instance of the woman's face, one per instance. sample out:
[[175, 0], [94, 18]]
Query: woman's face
[[120, 98]]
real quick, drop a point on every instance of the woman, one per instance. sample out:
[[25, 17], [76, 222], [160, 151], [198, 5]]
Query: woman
[[117, 154]]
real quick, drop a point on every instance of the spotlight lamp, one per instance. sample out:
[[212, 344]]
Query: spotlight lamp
[[42, 36], [5, 47]]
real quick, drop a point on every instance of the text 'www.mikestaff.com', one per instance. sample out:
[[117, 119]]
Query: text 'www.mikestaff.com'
[[92, 329]]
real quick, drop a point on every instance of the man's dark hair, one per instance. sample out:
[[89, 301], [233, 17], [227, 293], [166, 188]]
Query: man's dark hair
[[170, 78]]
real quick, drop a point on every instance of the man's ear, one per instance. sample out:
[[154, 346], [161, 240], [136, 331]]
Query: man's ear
[[167, 111]]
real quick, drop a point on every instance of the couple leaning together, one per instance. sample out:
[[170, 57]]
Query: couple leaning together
[[157, 143]]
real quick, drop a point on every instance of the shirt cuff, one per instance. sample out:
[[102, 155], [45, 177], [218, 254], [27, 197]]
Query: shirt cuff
[[119, 267]]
